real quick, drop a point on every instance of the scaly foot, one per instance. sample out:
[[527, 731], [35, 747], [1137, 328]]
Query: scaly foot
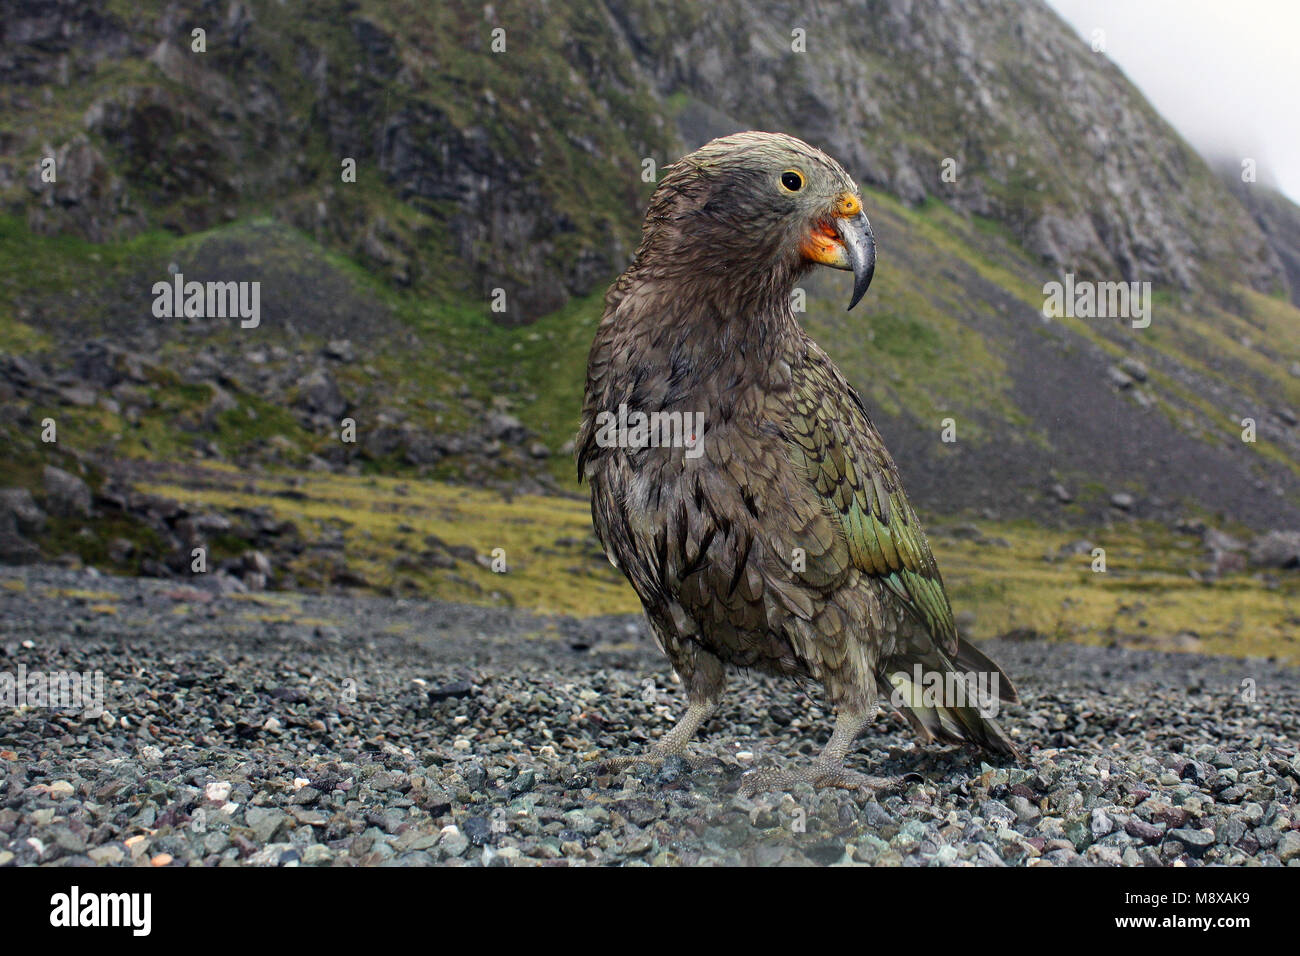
[[651, 757], [616, 764], [820, 774]]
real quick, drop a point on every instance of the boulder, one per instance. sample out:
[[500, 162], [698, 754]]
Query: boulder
[[1277, 549], [18, 506], [66, 494], [319, 393]]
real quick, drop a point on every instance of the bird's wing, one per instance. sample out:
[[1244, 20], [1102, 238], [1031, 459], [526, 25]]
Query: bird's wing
[[833, 441]]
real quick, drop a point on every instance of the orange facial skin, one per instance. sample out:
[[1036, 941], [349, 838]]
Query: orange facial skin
[[822, 244]]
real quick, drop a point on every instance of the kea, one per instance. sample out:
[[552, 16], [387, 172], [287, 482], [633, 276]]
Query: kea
[[772, 532]]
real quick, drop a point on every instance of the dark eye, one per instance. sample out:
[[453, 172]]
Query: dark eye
[[792, 180]]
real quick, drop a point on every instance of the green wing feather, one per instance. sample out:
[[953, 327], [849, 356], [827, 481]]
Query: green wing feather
[[846, 461]]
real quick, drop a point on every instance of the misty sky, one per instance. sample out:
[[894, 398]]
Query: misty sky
[[1224, 73]]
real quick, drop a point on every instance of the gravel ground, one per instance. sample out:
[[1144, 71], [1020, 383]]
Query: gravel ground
[[286, 729]]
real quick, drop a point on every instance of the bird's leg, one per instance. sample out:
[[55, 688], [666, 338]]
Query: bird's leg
[[673, 743], [828, 769], [705, 678]]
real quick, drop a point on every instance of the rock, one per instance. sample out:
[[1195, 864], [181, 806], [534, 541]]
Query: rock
[[1123, 501], [505, 427], [19, 368], [1142, 830], [256, 570], [67, 840], [311, 818], [1134, 369], [120, 550], [452, 691], [452, 841], [1267, 837], [1229, 831], [107, 855], [1079, 833], [1100, 823], [102, 364], [318, 392], [340, 350], [1119, 378], [524, 782], [1216, 540], [1026, 811], [79, 395], [220, 403], [276, 854], [87, 199], [1288, 848], [1062, 495], [1252, 814], [66, 494], [317, 854], [1276, 549], [265, 822], [217, 792], [1196, 841], [14, 548], [18, 504], [478, 830], [382, 441]]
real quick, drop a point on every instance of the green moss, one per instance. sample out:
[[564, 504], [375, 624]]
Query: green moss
[[1146, 596], [19, 338], [552, 563]]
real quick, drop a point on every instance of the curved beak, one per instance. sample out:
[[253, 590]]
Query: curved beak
[[844, 241], [860, 250]]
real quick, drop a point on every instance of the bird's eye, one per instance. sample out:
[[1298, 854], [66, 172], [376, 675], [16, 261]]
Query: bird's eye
[[792, 180]]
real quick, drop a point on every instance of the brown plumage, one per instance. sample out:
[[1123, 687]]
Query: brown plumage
[[780, 538]]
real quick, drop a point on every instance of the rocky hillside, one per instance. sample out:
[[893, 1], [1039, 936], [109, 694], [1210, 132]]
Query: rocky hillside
[[521, 162], [506, 147]]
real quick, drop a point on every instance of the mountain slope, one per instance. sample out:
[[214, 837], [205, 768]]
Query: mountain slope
[[522, 171]]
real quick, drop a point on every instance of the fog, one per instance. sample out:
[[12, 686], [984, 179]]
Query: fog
[[1224, 74]]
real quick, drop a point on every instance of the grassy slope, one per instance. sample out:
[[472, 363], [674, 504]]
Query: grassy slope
[[1003, 579]]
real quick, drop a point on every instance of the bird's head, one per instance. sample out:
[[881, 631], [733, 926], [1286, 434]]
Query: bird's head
[[762, 206]]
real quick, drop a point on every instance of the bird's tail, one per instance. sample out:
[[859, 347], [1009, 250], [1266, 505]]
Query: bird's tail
[[955, 699]]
